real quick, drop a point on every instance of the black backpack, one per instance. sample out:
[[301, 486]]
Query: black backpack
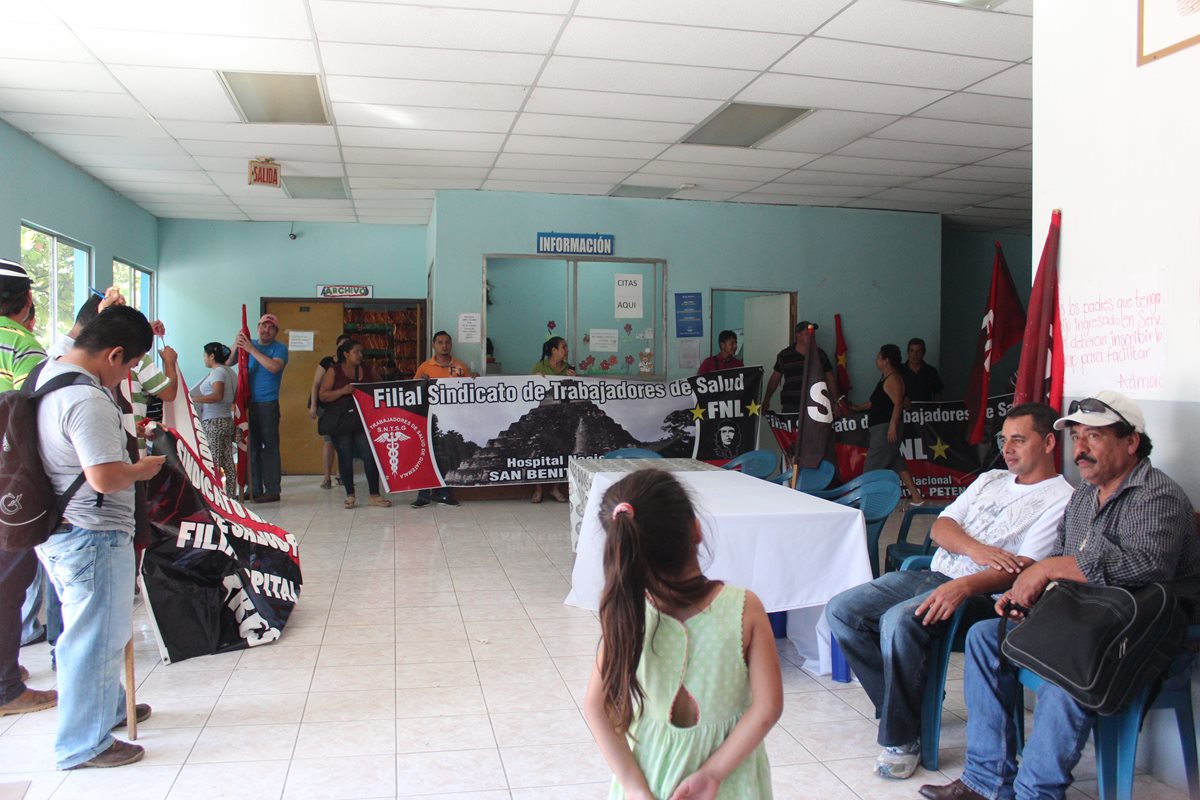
[[30, 509]]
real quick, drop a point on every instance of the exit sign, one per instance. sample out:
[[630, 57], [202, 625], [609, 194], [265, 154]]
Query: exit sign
[[263, 172]]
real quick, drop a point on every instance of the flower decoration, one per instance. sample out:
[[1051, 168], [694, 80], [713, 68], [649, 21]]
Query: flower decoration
[[628, 329], [628, 359], [604, 365], [550, 325]]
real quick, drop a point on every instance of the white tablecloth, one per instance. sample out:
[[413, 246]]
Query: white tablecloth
[[793, 550]]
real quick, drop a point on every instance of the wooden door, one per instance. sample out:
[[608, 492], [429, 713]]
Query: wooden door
[[299, 443]]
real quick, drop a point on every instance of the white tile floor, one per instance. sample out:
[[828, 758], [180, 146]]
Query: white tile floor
[[430, 655]]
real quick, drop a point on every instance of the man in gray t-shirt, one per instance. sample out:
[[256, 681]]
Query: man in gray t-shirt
[[90, 556]]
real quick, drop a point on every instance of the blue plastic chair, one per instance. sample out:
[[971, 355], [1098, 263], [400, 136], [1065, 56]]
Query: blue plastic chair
[[874, 476], [1116, 735], [897, 553], [632, 452], [810, 480], [935, 680], [757, 463], [877, 500]]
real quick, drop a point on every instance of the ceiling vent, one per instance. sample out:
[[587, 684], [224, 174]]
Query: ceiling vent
[[745, 124], [299, 188], [269, 97]]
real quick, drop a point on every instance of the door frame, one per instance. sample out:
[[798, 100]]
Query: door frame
[[793, 304]]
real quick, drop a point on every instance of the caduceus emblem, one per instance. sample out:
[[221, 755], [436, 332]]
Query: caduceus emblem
[[392, 440]]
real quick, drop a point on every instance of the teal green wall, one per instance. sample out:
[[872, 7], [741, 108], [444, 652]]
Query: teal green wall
[[881, 270], [209, 268], [525, 293], [40, 189], [966, 279]]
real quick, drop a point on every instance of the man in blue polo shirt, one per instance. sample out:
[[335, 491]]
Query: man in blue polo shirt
[[267, 360]]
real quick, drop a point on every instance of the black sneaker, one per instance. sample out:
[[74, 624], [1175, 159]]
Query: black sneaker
[[420, 502], [447, 501]]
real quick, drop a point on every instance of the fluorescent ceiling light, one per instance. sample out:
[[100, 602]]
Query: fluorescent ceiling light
[[744, 124], [299, 188], [274, 98], [648, 192]]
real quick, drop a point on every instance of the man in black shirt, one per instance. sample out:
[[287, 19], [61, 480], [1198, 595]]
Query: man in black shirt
[[789, 367], [921, 380]]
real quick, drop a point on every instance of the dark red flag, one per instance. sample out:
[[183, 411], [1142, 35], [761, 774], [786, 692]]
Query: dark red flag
[[241, 413], [1040, 376], [843, 374], [814, 426], [1002, 326]]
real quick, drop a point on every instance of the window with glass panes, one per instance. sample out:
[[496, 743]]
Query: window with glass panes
[[137, 285], [59, 269]]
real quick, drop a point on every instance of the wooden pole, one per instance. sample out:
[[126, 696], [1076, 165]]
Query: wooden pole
[[130, 693]]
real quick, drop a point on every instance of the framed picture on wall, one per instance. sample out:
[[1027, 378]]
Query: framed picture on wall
[[1166, 27]]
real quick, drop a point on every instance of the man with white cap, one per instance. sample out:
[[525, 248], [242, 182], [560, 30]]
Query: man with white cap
[[267, 360], [1128, 524]]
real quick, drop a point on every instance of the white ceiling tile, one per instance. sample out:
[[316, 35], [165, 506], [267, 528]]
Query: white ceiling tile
[[21, 74], [90, 104], [71, 143], [939, 28], [668, 80], [856, 61], [396, 204], [964, 133], [814, 177], [289, 216], [274, 18], [1024, 203], [171, 209], [195, 176], [555, 175], [367, 184], [1014, 82], [951, 185], [805, 92], [680, 177], [783, 200], [419, 140], [1022, 159], [315, 169], [229, 217], [383, 194], [979, 173], [624, 106], [1024, 7], [601, 148], [548, 188], [414, 171], [528, 6], [744, 156], [802, 17], [34, 40], [915, 151], [824, 131], [418, 26], [954, 199], [382, 61], [711, 195], [801, 190], [725, 171], [877, 166], [173, 93], [583, 163], [249, 150], [28, 13], [188, 191], [234, 184], [430, 94], [200, 51], [191, 200], [251, 132], [293, 204], [137, 161], [644, 41], [895, 205], [985, 108], [367, 158], [602, 128], [144, 128], [440, 119]]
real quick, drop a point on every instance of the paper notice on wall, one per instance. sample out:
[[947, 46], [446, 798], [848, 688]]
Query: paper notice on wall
[[300, 341], [1115, 337], [602, 340], [689, 353], [469, 326], [627, 297]]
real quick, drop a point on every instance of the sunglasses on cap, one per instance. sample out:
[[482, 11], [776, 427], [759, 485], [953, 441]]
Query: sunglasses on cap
[[1092, 405]]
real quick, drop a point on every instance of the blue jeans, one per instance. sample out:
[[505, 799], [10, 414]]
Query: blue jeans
[[1060, 727], [350, 446], [265, 468], [887, 646], [31, 626], [93, 573]]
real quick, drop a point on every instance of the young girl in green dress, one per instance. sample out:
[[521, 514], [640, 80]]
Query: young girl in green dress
[[686, 683]]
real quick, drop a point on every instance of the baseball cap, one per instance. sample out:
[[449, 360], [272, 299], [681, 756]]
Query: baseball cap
[[1103, 408], [802, 324], [11, 269], [271, 318]]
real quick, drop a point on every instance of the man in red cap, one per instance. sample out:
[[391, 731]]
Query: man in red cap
[[267, 360]]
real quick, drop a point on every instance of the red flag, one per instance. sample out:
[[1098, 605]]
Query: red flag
[[1040, 376], [241, 413], [843, 374], [1002, 326]]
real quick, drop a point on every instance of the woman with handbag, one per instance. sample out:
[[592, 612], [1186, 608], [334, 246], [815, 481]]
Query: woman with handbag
[[341, 422], [214, 395]]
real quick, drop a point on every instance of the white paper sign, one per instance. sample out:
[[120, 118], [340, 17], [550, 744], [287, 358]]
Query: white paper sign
[[300, 341], [627, 296], [602, 340], [469, 326], [689, 353]]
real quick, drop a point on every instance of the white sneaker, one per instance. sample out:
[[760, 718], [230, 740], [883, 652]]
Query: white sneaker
[[898, 763]]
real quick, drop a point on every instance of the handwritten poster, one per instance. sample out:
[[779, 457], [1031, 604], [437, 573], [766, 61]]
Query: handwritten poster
[[1115, 337]]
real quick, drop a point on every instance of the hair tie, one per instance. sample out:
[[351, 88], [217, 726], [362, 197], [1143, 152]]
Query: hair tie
[[622, 508]]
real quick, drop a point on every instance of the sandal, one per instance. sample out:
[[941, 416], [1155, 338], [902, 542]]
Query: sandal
[[380, 501], [537, 495], [350, 501], [327, 484], [558, 496]]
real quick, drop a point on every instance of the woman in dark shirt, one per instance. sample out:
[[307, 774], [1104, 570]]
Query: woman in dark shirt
[[884, 413], [314, 412]]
